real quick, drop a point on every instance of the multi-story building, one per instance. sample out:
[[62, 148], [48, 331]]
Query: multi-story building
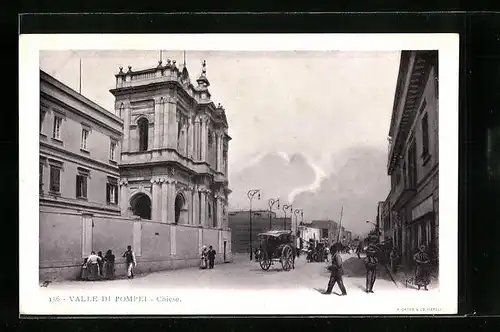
[[79, 152], [176, 142], [262, 221], [413, 160], [153, 175]]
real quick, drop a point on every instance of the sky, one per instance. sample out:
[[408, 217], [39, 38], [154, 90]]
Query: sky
[[317, 104]]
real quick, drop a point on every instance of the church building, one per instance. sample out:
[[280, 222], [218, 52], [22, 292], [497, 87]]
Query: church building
[[175, 143]]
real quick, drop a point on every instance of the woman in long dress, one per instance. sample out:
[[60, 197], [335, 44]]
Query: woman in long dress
[[93, 266], [422, 272], [109, 260], [204, 258]]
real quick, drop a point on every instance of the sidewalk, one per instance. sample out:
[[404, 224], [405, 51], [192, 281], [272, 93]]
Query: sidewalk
[[405, 277]]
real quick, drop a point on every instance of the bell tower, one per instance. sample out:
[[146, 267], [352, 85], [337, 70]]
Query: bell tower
[[173, 163]]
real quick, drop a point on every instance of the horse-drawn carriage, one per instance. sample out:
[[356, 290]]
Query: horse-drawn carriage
[[276, 246]]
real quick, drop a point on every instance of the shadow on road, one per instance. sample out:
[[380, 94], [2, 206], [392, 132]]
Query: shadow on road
[[322, 290], [355, 267]]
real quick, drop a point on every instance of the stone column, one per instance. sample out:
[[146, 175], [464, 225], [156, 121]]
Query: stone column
[[166, 119], [164, 200], [155, 183], [196, 205], [126, 128], [157, 124], [203, 210], [189, 194], [204, 125], [217, 152], [188, 138], [173, 119], [173, 240], [171, 202], [124, 198], [196, 139], [219, 212], [184, 138]]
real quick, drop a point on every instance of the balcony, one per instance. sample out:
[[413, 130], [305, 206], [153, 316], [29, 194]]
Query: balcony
[[160, 156]]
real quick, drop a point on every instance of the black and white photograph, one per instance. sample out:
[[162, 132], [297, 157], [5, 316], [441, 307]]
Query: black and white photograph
[[239, 174]]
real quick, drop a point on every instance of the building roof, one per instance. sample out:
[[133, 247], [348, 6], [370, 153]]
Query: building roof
[[78, 96], [320, 223]]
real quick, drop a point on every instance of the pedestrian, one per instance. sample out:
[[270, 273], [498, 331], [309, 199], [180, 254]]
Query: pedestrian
[[93, 266], [359, 249], [84, 273], [422, 270], [336, 272], [130, 261], [101, 264], [211, 257], [109, 260], [371, 263], [203, 262], [394, 259]]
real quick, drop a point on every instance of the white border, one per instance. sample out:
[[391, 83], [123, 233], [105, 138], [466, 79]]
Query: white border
[[34, 300]]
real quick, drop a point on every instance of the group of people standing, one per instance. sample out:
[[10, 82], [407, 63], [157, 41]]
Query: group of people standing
[[96, 267], [371, 262], [207, 258]]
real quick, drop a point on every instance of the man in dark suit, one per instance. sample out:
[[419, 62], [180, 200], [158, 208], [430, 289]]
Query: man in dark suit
[[211, 257], [371, 263], [336, 271]]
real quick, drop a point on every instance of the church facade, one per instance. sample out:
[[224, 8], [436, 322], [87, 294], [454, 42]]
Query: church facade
[[153, 175], [173, 165]]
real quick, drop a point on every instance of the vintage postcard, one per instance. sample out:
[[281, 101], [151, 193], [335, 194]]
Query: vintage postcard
[[239, 174]]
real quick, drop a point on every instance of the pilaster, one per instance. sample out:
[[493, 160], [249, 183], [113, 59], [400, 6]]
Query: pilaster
[[204, 125], [164, 200], [196, 206], [126, 128], [124, 197], [173, 240], [203, 207], [196, 140], [190, 138], [173, 120], [157, 124], [171, 201], [189, 197], [155, 210], [166, 121]]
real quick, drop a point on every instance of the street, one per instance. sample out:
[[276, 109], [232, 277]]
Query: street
[[243, 274]]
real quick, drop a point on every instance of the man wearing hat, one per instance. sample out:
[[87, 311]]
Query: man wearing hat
[[371, 263], [336, 271]]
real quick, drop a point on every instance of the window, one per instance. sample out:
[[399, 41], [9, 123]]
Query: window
[[112, 191], [112, 149], [425, 136], [42, 119], [85, 136], [55, 179], [81, 186], [143, 125], [57, 128]]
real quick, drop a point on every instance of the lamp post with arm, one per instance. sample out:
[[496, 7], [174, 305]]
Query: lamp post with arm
[[271, 202], [286, 208], [251, 194]]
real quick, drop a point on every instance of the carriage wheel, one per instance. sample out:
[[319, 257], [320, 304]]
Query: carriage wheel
[[287, 258], [265, 261]]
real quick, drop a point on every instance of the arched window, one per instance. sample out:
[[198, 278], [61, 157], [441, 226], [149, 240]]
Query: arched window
[[143, 126]]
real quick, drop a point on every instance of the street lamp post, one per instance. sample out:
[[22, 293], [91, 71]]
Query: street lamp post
[[251, 194], [286, 208], [271, 202], [294, 229], [296, 213]]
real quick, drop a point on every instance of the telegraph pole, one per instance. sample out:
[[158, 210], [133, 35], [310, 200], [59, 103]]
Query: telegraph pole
[[340, 224]]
